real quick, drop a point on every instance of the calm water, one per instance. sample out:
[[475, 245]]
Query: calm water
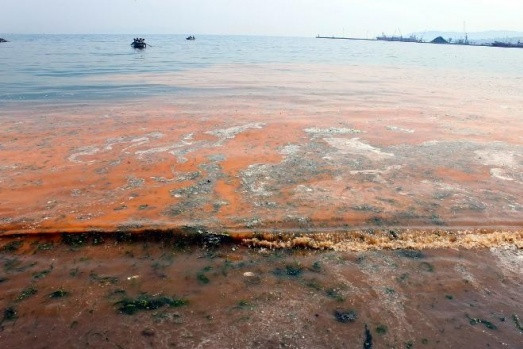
[[58, 67]]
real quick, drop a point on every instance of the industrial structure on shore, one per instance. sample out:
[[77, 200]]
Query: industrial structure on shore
[[438, 40]]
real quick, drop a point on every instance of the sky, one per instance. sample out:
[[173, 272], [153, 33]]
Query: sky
[[363, 18]]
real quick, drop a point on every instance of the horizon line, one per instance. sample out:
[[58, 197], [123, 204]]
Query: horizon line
[[249, 34]]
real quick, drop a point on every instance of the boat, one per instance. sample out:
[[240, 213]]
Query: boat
[[139, 43], [411, 38], [507, 44], [3, 40], [190, 37]]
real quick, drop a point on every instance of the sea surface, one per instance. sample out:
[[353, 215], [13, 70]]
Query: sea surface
[[55, 67], [241, 133], [259, 192]]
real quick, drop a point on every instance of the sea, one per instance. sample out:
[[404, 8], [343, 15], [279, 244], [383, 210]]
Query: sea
[[54, 67], [259, 192]]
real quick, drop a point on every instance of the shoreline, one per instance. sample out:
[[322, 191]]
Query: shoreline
[[347, 240]]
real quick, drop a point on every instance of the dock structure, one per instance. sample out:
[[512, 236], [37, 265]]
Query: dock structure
[[400, 38], [343, 38], [439, 40]]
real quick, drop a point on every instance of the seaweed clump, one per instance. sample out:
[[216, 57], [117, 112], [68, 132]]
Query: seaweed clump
[[413, 254], [345, 316], [12, 246], [131, 306], [291, 270], [75, 240], [26, 293], [381, 329], [58, 294], [41, 274], [367, 344], [45, 246], [335, 294], [202, 278], [488, 324], [9, 314], [517, 322], [103, 280]]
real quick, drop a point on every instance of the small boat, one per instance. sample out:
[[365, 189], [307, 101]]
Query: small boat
[[191, 37], [3, 40], [139, 43]]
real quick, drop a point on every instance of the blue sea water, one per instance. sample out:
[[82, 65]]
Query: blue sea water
[[39, 68]]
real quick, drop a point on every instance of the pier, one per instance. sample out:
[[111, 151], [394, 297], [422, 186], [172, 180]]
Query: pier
[[421, 41], [343, 38]]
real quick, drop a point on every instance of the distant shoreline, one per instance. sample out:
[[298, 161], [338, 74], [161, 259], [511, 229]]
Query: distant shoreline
[[493, 44]]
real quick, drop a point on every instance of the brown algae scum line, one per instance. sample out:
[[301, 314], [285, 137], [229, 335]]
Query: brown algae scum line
[[355, 241], [367, 240]]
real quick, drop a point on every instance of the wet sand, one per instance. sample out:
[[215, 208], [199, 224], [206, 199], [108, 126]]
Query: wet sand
[[123, 292]]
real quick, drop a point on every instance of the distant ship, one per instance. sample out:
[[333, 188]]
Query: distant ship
[[411, 38], [3, 40], [190, 38], [507, 44]]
